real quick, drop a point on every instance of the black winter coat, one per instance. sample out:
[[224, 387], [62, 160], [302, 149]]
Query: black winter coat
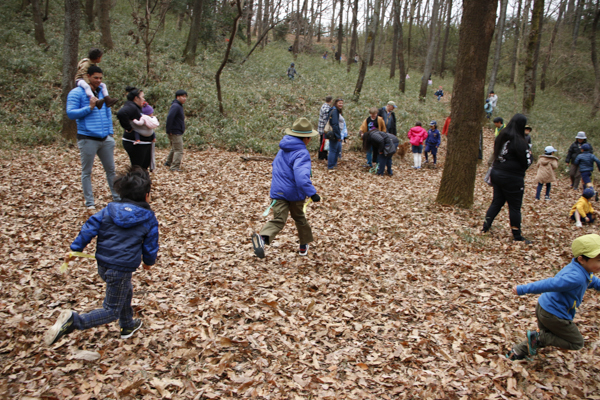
[[176, 119], [383, 142], [575, 150], [390, 129]]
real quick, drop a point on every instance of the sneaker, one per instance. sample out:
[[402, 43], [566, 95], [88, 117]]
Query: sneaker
[[367, 166], [126, 333], [176, 169], [167, 164], [514, 356], [100, 103], [62, 327], [533, 342], [578, 224], [259, 245], [91, 209], [547, 198], [331, 170], [109, 101], [303, 249]]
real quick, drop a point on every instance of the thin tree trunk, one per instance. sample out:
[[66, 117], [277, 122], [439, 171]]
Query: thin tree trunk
[[400, 44], [320, 7], [297, 36], [438, 37], [577, 22], [595, 63], [38, 23], [408, 40], [106, 38], [311, 25], [265, 23], [430, 50], [354, 35], [239, 6], [370, 38], [258, 40], [69, 63], [257, 24], [396, 22], [476, 32], [249, 23], [46, 11], [372, 55], [89, 14], [189, 53], [340, 37], [446, 35], [499, 36], [561, 10], [332, 23], [515, 53], [535, 36]]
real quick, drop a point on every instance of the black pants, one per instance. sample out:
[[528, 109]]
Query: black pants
[[508, 188], [139, 154], [322, 154]]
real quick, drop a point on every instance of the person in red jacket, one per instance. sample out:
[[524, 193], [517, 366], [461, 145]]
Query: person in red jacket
[[417, 135]]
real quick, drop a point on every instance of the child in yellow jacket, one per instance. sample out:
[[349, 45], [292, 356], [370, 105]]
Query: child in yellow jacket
[[582, 210]]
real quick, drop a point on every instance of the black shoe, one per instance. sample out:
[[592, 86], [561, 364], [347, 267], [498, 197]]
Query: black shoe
[[62, 327], [259, 245], [303, 249], [167, 164], [513, 356], [126, 333], [100, 103]]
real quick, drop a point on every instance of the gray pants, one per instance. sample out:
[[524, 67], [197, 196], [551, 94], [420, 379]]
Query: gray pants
[[280, 215], [88, 149], [554, 331], [575, 175], [176, 154]]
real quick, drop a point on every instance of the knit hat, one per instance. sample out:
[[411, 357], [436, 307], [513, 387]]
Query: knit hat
[[147, 109], [586, 147], [586, 245], [588, 193], [581, 135], [302, 128], [549, 150]]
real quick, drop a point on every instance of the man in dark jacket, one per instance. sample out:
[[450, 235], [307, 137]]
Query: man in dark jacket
[[175, 130], [290, 186], [572, 154], [389, 117]]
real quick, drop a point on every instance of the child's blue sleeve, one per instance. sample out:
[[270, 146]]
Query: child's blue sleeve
[[562, 284], [88, 231], [594, 284], [150, 245]]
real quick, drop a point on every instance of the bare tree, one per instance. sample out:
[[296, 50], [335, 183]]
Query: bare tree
[[38, 23], [595, 62], [400, 45], [577, 22], [446, 35], [89, 14], [430, 50], [396, 23], [410, 25], [249, 23], [515, 54], [104, 7], [257, 27], [354, 39], [69, 63], [332, 29], [340, 36], [561, 10], [499, 36], [476, 32], [372, 55], [189, 53], [369, 39], [239, 6], [533, 51]]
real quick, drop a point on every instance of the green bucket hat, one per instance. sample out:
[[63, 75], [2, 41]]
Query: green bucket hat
[[586, 245], [302, 128]]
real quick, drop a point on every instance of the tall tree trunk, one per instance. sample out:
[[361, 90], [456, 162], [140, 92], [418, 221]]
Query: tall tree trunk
[[70, 55], [352, 52], [372, 55], [408, 40], [38, 23], [400, 44], [46, 11], [89, 14], [396, 22], [265, 22], [595, 63], [561, 10], [106, 38], [577, 22], [257, 24], [239, 5], [25, 4], [370, 38], [320, 7], [438, 36], [533, 50], [311, 25], [499, 36], [476, 32], [515, 53], [569, 16], [332, 22], [296, 44], [340, 37], [446, 35], [189, 53], [249, 23], [430, 50]]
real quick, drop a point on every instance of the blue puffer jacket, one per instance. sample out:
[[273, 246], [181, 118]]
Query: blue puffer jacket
[[586, 161], [127, 234], [90, 122], [562, 294], [291, 171]]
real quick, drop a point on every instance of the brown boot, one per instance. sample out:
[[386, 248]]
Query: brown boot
[[110, 101], [99, 103]]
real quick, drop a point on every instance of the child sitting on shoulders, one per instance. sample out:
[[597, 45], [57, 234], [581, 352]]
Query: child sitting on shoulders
[[82, 80], [582, 211], [545, 173], [586, 161], [561, 296], [127, 232]]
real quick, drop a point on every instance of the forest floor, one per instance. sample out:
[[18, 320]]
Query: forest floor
[[398, 298]]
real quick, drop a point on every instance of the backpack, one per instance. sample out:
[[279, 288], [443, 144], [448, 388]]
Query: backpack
[[328, 130], [391, 144]]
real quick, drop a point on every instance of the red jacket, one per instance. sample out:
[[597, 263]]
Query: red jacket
[[417, 135]]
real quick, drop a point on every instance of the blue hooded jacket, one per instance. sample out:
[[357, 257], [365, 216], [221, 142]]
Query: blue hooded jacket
[[127, 234], [433, 138], [586, 161], [291, 171], [94, 122], [562, 294]]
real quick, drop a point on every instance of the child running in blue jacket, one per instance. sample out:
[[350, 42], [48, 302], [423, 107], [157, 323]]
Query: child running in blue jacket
[[432, 142], [561, 296], [586, 161]]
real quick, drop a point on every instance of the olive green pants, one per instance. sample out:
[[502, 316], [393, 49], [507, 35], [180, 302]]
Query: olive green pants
[[554, 331], [280, 209]]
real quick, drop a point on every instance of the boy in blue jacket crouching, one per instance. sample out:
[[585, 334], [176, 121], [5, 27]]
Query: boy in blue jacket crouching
[[290, 186], [560, 298], [127, 232]]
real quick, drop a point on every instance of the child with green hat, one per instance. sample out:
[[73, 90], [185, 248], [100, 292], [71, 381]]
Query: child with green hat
[[561, 296]]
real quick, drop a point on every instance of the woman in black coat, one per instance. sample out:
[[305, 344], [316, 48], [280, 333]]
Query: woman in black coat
[[511, 158], [378, 141], [137, 146]]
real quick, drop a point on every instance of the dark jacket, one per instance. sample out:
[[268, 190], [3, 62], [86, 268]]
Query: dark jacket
[[291, 171], [92, 122], [383, 142], [390, 124], [586, 161], [433, 138], [514, 157], [128, 113], [176, 119], [127, 234], [575, 150], [335, 123]]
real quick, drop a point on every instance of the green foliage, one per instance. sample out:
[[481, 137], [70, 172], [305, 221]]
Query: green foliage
[[281, 31]]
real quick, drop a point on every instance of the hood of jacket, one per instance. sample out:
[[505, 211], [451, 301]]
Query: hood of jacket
[[416, 135], [546, 159], [128, 213], [291, 143]]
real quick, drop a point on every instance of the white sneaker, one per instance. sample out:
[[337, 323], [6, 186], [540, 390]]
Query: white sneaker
[[578, 224], [302, 251], [91, 209]]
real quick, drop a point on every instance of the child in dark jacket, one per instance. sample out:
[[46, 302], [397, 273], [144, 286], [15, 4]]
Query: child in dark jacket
[[290, 186], [586, 161], [127, 232], [574, 151], [561, 296], [385, 145], [432, 142]]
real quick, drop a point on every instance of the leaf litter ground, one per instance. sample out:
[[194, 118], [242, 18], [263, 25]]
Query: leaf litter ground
[[399, 297]]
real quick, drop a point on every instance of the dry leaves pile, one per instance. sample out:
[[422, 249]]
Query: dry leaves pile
[[399, 297]]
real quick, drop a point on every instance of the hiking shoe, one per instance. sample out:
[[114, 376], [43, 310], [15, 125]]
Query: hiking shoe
[[167, 164], [514, 356], [547, 198], [126, 333], [259, 245], [578, 224], [100, 103], [303, 249], [110, 101], [533, 342], [62, 327]]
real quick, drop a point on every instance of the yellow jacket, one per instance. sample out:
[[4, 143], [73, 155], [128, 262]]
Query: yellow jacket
[[365, 129], [583, 206]]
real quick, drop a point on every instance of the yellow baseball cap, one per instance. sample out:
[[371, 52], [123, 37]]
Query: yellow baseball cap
[[586, 245]]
